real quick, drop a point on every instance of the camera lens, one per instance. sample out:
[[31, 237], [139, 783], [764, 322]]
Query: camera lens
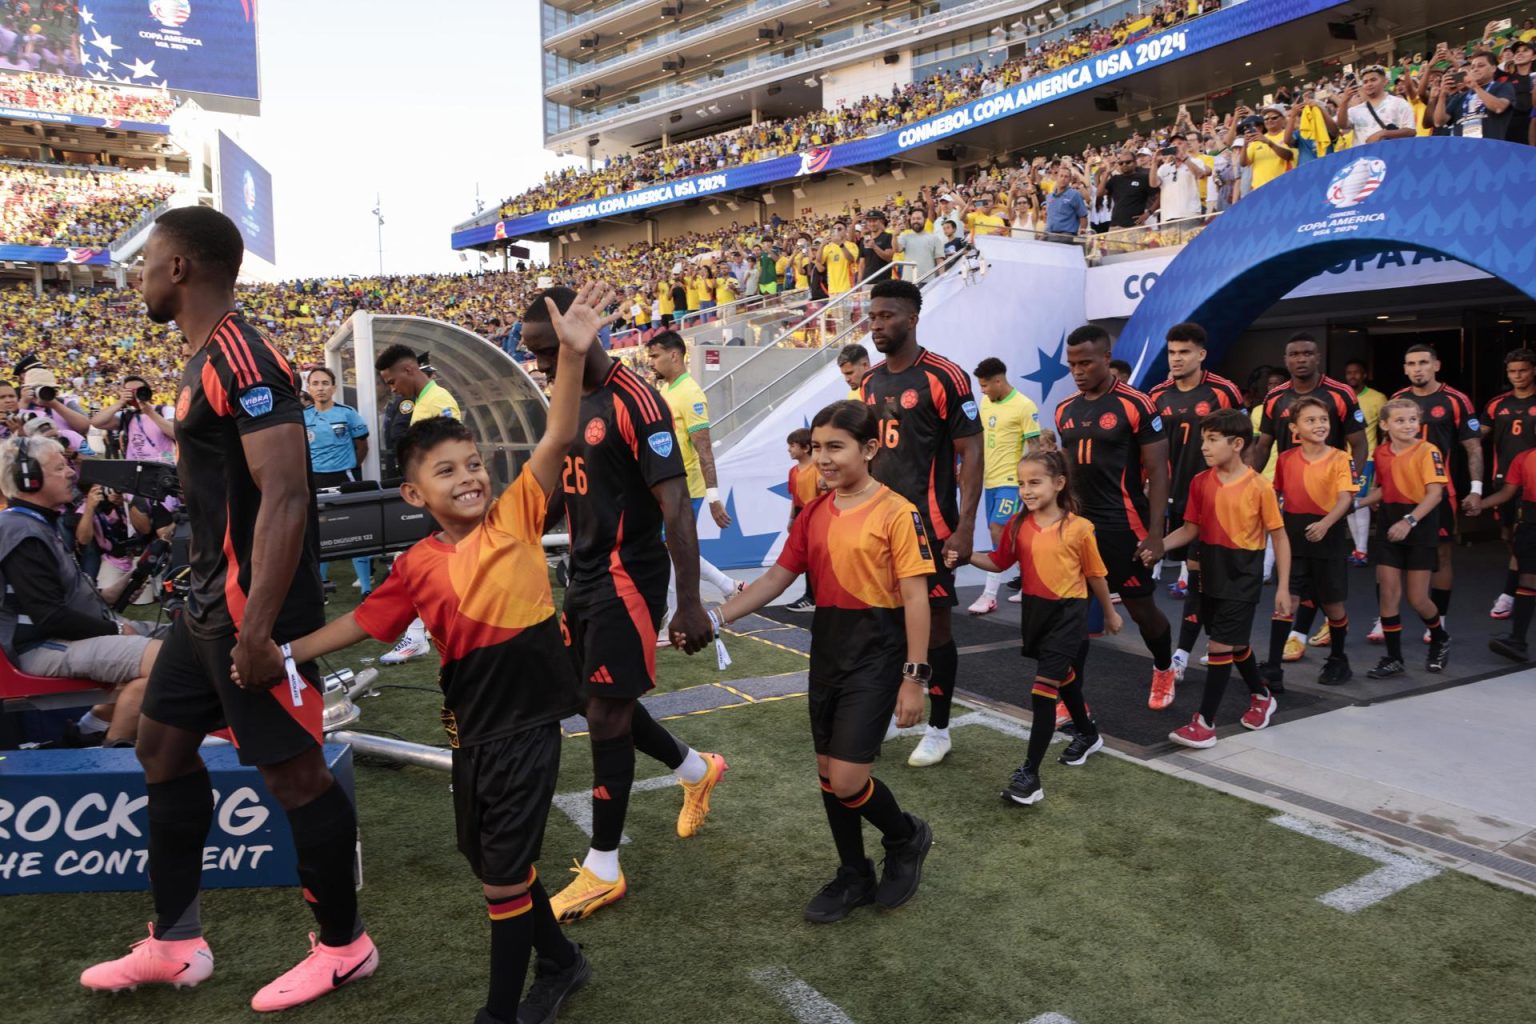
[[47, 393], [143, 394]]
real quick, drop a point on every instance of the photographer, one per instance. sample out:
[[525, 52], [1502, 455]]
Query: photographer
[[53, 622], [1471, 102], [40, 398], [10, 404], [1371, 112], [1178, 181], [1263, 146], [148, 430], [120, 531]]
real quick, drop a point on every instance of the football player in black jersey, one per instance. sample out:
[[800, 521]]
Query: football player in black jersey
[[928, 419], [1113, 439], [1509, 422], [626, 495], [1448, 419], [243, 459]]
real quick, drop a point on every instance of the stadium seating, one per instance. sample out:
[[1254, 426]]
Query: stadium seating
[[58, 94], [56, 206]]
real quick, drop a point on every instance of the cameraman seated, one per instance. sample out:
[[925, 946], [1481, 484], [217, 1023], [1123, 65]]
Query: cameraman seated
[[53, 622]]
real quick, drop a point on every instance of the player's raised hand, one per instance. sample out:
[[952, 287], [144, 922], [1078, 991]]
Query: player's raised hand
[[578, 327]]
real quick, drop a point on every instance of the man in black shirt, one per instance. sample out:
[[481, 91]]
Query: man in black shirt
[[876, 247], [1129, 190], [244, 464]]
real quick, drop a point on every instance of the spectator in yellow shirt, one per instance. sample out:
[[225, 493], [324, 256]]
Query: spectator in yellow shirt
[[1265, 151]]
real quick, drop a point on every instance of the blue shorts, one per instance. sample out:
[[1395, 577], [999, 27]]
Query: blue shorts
[[1002, 504], [1367, 477]]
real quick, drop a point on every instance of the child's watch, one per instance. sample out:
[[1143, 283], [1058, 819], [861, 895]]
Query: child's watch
[[919, 670], [1411, 519]]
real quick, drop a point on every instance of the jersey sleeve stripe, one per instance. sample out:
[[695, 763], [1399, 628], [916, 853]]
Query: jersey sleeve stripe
[[1333, 382], [238, 361], [645, 398], [959, 376], [240, 345]]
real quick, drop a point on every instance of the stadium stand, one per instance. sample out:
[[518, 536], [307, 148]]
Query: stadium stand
[[58, 94], [55, 205]]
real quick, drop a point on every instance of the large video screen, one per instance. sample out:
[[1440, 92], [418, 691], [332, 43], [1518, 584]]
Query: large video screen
[[206, 46], [245, 191]]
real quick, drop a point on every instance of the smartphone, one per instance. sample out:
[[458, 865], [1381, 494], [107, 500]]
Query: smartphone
[[1349, 72], [1269, 98], [1503, 25]]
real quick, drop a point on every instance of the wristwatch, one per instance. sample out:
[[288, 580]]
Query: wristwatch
[[919, 670], [1411, 519]]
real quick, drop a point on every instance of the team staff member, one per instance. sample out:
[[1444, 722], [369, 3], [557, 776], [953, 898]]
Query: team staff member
[[928, 419], [622, 482], [1357, 376], [1190, 394], [864, 547], [1509, 422], [1346, 430], [338, 444], [1113, 439], [1447, 419], [690, 425], [1010, 427], [245, 479]]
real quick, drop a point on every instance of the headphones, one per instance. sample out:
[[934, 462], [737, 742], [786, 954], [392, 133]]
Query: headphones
[[27, 470]]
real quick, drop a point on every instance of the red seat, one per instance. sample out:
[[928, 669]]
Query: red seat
[[18, 685]]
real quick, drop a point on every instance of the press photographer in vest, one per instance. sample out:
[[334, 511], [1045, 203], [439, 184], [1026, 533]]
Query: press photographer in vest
[[53, 622]]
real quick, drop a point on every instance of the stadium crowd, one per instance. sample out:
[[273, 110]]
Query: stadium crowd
[[35, 90], [76, 207]]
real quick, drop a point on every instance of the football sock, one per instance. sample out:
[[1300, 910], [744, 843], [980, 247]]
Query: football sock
[[944, 660], [1217, 671], [1305, 616], [1071, 694], [90, 724], [715, 578], [363, 569], [877, 805], [180, 812], [1161, 648], [417, 631], [548, 938], [1279, 629], [613, 773], [1042, 705], [847, 827], [653, 740], [1392, 633], [325, 572], [602, 863], [325, 838], [1360, 527], [1338, 629], [1520, 619], [1442, 598], [1185, 574], [1511, 583], [1189, 627], [511, 946], [1436, 626], [1249, 670], [693, 769], [994, 580]]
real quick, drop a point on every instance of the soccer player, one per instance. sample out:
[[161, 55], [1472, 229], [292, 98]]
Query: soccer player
[[1190, 394], [1060, 564], [804, 485], [1447, 418], [1010, 426], [1231, 508], [244, 470], [1316, 485], [1357, 376], [853, 363], [928, 420], [622, 482], [338, 443], [1509, 420], [1112, 437], [668, 355], [408, 375], [867, 550], [506, 678], [1410, 482], [1518, 479], [1346, 430]]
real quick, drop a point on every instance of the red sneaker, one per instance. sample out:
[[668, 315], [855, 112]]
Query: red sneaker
[[325, 969], [1261, 708], [1162, 689], [1196, 734]]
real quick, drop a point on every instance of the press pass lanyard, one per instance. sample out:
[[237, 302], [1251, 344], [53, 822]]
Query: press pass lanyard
[[722, 657], [295, 681]]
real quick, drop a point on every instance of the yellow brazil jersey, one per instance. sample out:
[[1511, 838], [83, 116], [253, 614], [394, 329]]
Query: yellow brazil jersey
[[1371, 402], [1007, 425], [987, 223], [690, 414], [839, 266], [664, 300], [723, 293], [434, 400]]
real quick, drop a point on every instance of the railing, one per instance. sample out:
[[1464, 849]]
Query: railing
[[699, 318], [123, 241]]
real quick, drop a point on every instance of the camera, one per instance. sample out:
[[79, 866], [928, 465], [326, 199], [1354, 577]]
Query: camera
[[142, 393], [47, 393], [1168, 151]]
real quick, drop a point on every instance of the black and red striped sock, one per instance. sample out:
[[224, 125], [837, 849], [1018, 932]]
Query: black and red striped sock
[[1279, 629], [512, 926], [1242, 658], [1071, 694], [1436, 628], [1218, 670], [876, 804], [1338, 629], [1042, 706], [846, 825], [1392, 633], [1520, 618]]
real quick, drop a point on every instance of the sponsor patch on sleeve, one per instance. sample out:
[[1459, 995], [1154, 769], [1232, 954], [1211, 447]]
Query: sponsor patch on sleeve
[[1359, 416], [256, 401], [698, 408], [1157, 423], [661, 443], [969, 408], [1472, 424], [922, 535]]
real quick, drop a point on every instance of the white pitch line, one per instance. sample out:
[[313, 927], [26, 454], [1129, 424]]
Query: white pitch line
[[803, 1002], [995, 722], [1397, 872], [578, 805], [1051, 1018]]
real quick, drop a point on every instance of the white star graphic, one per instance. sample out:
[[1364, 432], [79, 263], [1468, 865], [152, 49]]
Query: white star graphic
[[139, 69], [98, 76], [121, 81], [104, 43], [86, 17], [103, 63]]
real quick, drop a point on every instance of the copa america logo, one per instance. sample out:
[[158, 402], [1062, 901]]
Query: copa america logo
[[814, 161], [170, 13], [1354, 183], [249, 189]]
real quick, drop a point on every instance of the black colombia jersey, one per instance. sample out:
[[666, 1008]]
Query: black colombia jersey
[[1102, 438], [1182, 412]]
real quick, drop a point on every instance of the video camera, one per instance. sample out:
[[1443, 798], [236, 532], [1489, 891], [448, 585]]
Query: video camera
[[153, 481]]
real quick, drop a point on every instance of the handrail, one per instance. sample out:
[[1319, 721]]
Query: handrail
[[119, 243], [740, 305]]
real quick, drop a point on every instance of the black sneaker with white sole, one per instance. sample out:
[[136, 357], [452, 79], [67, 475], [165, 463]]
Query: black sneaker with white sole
[[1336, 671], [903, 867], [1439, 655], [1508, 646], [1024, 787], [551, 985], [805, 604], [851, 888], [1386, 668], [1078, 750]]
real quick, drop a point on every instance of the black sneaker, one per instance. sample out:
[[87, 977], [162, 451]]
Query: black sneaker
[[1386, 668], [1078, 750], [552, 984], [1274, 677], [851, 888], [1024, 787], [805, 604], [1510, 647], [1439, 655], [328, 586], [1015, 583], [903, 867], [1336, 671]]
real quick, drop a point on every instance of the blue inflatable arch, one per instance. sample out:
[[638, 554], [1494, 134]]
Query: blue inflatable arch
[[1472, 200]]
